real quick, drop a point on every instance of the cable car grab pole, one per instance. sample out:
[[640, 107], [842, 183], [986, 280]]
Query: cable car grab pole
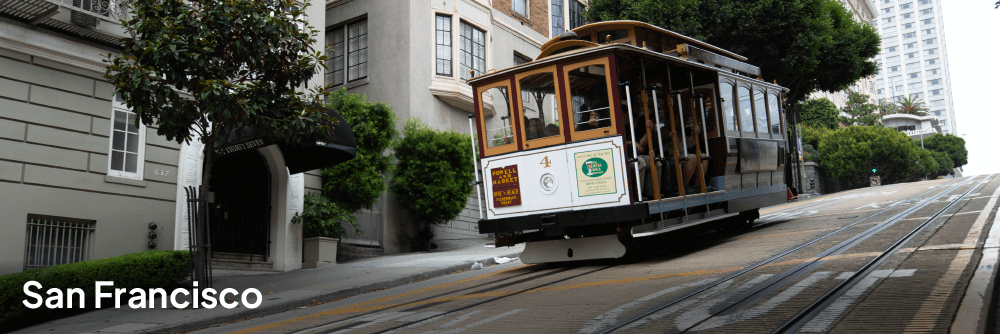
[[635, 153], [704, 130], [475, 166], [659, 134], [680, 109]]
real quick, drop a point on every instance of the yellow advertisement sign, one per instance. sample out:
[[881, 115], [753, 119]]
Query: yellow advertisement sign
[[595, 173]]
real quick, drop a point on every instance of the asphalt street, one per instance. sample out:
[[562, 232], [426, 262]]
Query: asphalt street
[[911, 258]]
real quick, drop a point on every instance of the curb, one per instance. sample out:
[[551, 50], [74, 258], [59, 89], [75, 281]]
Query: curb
[[328, 296]]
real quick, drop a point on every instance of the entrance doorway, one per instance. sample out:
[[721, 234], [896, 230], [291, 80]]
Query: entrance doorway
[[240, 213]]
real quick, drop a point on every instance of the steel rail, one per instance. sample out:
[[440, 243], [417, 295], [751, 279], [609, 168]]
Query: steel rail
[[773, 258], [810, 312]]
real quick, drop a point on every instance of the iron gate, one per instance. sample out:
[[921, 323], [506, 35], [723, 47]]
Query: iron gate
[[198, 247], [241, 207]]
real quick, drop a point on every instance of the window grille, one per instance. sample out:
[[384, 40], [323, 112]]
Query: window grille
[[576, 10], [473, 51], [442, 31], [558, 23], [51, 241], [357, 52], [127, 141], [335, 56], [92, 7]]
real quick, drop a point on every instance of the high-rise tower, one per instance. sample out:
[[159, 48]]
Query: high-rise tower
[[914, 60]]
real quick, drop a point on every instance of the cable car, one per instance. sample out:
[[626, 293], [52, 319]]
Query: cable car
[[621, 130]]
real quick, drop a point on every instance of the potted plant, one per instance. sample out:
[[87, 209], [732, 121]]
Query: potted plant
[[322, 227]]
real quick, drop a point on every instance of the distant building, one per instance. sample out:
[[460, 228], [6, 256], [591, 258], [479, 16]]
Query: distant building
[[864, 12], [914, 59]]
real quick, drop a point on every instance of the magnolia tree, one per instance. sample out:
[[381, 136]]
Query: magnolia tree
[[209, 70]]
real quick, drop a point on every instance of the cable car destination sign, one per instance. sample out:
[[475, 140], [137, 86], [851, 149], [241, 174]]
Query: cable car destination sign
[[506, 186]]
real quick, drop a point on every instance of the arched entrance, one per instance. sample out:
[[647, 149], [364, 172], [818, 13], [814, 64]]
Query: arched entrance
[[240, 208]]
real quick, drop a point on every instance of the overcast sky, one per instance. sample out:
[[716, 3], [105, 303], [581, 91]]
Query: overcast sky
[[972, 33]]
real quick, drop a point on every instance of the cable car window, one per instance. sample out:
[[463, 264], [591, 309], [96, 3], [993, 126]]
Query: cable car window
[[726, 90], [759, 105], [539, 105], [746, 113], [617, 34], [589, 93], [496, 116], [775, 114]]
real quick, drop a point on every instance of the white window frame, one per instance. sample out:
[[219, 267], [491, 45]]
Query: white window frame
[[486, 48], [116, 106], [527, 8]]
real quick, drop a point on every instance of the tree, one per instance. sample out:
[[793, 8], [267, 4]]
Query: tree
[[805, 45], [885, 107], [205, 69], [820, 113], [945, 164], [950, 144], [357, 183], [860, 111], [433, 174], [912, 106], [811, 137], [848, 154]]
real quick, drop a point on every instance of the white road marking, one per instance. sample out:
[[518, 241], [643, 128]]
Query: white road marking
[[611, 317], [869, 205], [485, 321], [923, 321], [970, 311], [764, 307], [830, 314], [679, 306], [696, 315]]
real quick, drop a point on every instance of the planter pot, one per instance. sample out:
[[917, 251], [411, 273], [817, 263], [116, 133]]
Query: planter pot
[[319, 252]]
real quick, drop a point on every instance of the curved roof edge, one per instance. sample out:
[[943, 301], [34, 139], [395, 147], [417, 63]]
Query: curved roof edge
[[687, 39]]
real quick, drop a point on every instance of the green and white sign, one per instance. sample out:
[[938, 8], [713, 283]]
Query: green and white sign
[[595, 173]]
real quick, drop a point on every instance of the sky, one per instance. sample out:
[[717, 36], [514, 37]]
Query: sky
[[972, 33]]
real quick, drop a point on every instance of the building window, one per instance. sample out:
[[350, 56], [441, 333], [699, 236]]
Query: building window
[[937, 113], [908, 26], [915, 85], [349, 49], [925, 2], [928, 31], [53, 241], [576, 10], [886, 1], [936, 103], [911, 45], [558, 23], [916, 95], [472, 47], [907, 15], [880, 91], [442, 32], [519, 59], [932, 72], [914, 75], [936, 92], [931, 61], [935, 82], [894, 69], [520, 7], [928, 21], [891, 49], [926, 11], [905, 6], [911, 55], [127, 142], [929, 41], [910, 35], [887, 20], [887, 10], [944, 122], [931, 51], [899, 89]]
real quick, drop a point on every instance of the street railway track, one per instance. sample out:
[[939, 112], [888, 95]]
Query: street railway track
[[799, 270]]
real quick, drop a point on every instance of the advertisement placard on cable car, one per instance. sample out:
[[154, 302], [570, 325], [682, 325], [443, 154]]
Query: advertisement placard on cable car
[[595, 173], [550, 179], [506, 186]]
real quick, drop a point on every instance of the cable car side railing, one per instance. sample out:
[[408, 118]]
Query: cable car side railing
[[635, 153]]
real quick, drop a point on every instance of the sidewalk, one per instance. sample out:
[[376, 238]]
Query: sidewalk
[[289, 290]]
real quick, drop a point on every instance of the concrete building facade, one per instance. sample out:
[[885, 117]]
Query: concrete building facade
[[914, 58], [78, 180], [415, 56]]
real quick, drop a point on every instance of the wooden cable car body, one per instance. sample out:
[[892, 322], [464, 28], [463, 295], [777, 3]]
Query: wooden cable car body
[[555, 140]]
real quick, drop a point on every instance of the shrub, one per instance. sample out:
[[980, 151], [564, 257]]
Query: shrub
[[433, 174], [150, 269], [323, 218]]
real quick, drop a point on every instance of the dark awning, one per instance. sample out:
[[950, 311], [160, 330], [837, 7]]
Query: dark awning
[[299, 156]]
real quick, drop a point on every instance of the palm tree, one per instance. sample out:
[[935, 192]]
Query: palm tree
[[885, 107], [911, 105]]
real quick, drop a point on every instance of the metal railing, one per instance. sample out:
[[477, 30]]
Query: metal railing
[[53, 241], [198, 238]]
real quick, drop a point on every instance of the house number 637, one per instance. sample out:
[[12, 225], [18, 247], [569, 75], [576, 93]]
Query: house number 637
[[161, 172]]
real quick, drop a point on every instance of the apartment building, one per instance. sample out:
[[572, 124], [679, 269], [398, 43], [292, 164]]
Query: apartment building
[[863, 11], [914, 58], [416, 56]]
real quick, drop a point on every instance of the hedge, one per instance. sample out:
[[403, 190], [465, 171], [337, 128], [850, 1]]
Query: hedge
[[150, 269]]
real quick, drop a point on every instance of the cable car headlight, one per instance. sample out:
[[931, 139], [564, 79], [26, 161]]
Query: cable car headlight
[[548, 183]]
